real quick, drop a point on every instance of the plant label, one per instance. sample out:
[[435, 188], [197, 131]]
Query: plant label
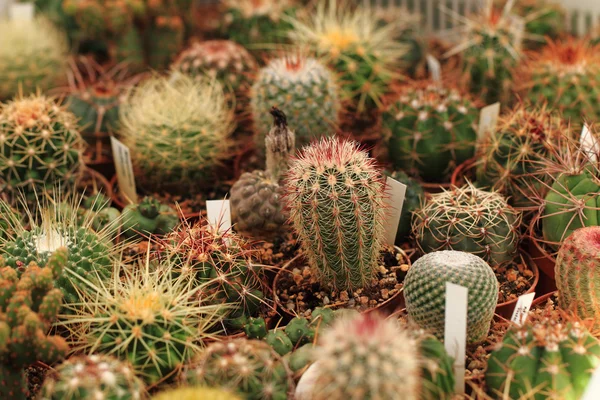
[[455, 331], [435, 68], [124, 169], [589, 144], [488, 119], [21, 11], [218, 214], [592, 391], [396, 192], [522, 307], [306, 385]]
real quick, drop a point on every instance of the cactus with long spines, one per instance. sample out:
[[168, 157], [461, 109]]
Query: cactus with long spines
[[29, 305], [336, 200]]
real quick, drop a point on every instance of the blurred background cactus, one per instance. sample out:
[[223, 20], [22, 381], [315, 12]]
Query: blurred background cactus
[[149, 217], [195, 393], [543, 19]]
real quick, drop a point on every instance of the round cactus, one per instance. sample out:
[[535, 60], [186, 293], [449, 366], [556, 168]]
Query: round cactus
[[248, 367], [40, 147], [412, 201], [468, 219], [177, 130], [431, 130], [195, 393], [545, 359], [94, 376], [148, 217], [33, 56], [336, 200], [304, 89], [425, 291]]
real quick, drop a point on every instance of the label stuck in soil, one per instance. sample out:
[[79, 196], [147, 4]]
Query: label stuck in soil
[[124, 169], [488, 119], [522, 307], [589, 144], [435, 69], [455, 331], [218, 214], [396, 192]]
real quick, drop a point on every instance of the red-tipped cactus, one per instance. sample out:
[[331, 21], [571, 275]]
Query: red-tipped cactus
[[335, 195]]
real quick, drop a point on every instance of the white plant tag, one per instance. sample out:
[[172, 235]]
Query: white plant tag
[[488, 119], [396, 192], [434, 68], [218, 214], [592, 391], [589, 144], [522, 307], [306, 384], [455, 331], [21, 11], [124, 169]]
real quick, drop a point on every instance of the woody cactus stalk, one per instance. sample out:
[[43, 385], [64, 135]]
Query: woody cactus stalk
[[257, 208]]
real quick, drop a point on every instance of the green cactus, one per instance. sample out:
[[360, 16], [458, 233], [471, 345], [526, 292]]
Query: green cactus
[[177, 130], [468, 219], [279, 341], [304, 89], [412, 200], [543, 360], [335, 195], [40, 147], [195, 393], [167, 36], [249, 367], [102, 20], [543, 18], [431, 130], [300, 331], [425, 288], [256, 328], [94, 376], [149, 217], [29, 304]]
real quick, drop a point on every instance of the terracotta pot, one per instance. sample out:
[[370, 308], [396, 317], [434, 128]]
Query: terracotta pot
[[463, 170], [543, 299], [388, 306], [506, 309], [434, 187]]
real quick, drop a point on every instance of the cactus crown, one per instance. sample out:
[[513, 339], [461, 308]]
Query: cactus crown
[[570, 56]]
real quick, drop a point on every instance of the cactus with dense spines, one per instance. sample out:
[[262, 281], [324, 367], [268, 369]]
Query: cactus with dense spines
[[257, 208], [413, 198], [471, 220], [33, 55], [305, 89], [149, 217], [94, 376], [336, 200], [425, 288], [40, 146], [249, 367], [29, 304], [565, 75], [177, 130], [543, 360], [431, 130], [195, 393]]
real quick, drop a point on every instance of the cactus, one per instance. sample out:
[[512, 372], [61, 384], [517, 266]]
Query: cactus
[[543, 360], [565, 74], [167, 36], [177, 130], [280, 342], [29, 306], [195, 393], [336, 200], [94, 376], [305, 89], [256, 205], [468, 219], [543, 18], [33, 55], [300, 331], [413, 198], [40, 147], [249, 367], [149, 217], [431, 130], [425, 288], [103, 20]]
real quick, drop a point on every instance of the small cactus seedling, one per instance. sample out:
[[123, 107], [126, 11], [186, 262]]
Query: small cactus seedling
[[196, 393], [149, 217]]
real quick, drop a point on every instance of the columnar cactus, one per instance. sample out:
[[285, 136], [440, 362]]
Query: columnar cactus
[[148, 217], [195, 393], [248, 367], [413, 198], [425, 291], [94, 376], [40, 146], [336, 200], [468, 219], [541, 360], [33, 56], [177, 130], [29, 306], [305, 89], [431, 130], [257, 208]]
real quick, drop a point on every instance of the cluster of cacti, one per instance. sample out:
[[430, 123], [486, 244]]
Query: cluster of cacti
[[149, 217], [29, 306], [195, 393], [304, 89], [33, 56], [257, 207], [93, 377], [40, 146], [431, 130], [250, 368], [471, 220], [177, 130], [336, 200], [543, 360], [413, 198], [425, 291]]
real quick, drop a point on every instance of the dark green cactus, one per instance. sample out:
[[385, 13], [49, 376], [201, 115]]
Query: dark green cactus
[[299, 331], [255, 328], [148, 217], [279, 341], [413, 198]]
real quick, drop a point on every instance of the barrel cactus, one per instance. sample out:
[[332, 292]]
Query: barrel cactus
[[257, 208], [336, 200], [413, 198], [468, 219], [177, 130], [149, 217], [305, 89], [195, 393], [94, 376], [543, 359], [425, 291], [431, 130]]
